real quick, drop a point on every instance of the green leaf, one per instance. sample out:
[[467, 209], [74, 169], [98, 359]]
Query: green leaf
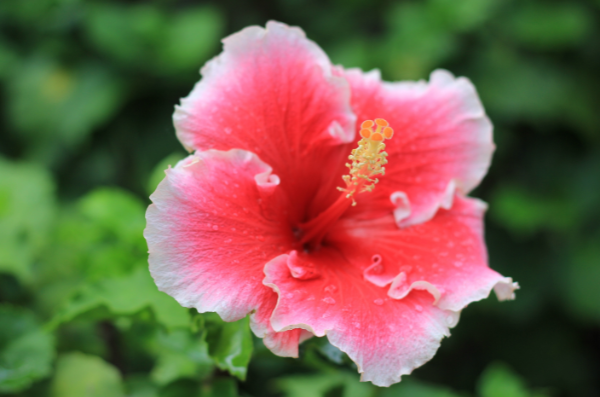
[[180, 354], [231, 346], [25, 360], [322, 384], [128, 34], [117, 212], [15, 322], [80, 375], [523, 213], [27, 211], [221, 387], [100, 237], [53, 106], [581, 279], [124, 296], [549, 26], [158, 173], [413, 388], [191, 37], [140, 386], [500, 381]]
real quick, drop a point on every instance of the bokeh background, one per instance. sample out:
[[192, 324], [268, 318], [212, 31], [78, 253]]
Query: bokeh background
[[87, 89]]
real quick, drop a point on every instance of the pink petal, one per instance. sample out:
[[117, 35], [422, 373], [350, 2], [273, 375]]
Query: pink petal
[[442, 140], [386, 338], [272, 92], [214, 223], [445, 256]]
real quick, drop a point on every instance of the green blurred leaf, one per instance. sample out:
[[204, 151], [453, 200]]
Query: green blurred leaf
[[27, 210], [79, 375], [464, 15], [417, 42], [26, 360], [190, 38], [550, 25], [158, 173], [221, 387], [124, 296], [100, 237], [322, 384], [54, 106], [231, 346], [15, 322], [413, 388], [499, 381], [524, 214], [180, 354], [26, 352], [582, 278], [140, 386], [127, 33], [117, 212]]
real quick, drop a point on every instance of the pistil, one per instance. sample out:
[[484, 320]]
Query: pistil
[[367, 163]]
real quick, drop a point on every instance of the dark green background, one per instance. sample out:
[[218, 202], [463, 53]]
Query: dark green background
[[87, 93]]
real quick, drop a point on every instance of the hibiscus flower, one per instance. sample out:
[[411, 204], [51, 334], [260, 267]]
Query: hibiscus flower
[[270, 217]]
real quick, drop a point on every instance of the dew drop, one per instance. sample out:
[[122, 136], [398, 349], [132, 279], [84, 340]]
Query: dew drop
[[228, 130], [233, 229], [330, 288], [419, 308], [235, 214], [260, 238], [329, 300], [356, 324], [228, 240], [378, 302], [406, 269], [215, 227], [458, 264]]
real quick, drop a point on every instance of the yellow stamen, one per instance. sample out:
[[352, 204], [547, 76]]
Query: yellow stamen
[[368, 159]]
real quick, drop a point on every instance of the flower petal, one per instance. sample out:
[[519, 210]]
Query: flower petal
[[272, 91], [443, 140], [386, 338], [445, 256], [214, 223]]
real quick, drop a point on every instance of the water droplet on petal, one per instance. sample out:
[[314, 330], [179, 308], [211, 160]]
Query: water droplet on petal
[[330, 288], [356, 324], [458, 264], [329, 300], [260, 238], [215, 227], [228, 130], [378, 302], [419, 308], [228, 240]]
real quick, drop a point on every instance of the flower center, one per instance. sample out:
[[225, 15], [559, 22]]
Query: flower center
[[368, 160]]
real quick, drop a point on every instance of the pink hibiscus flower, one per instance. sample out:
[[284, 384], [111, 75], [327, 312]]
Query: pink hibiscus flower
[[253, 222]]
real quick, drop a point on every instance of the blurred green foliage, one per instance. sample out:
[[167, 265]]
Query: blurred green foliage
[[87, 91]]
